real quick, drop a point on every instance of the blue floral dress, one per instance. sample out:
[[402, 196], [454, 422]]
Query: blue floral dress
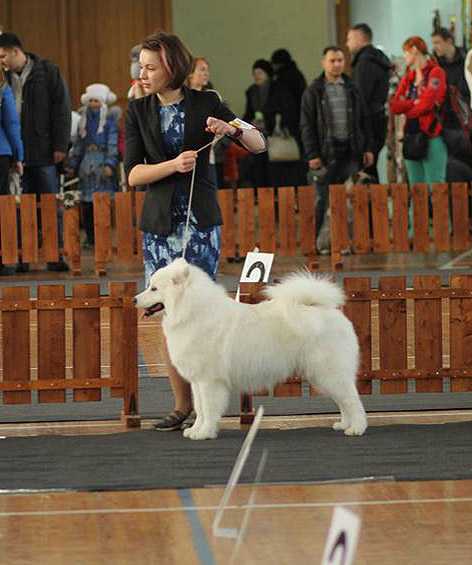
[[203, 248]]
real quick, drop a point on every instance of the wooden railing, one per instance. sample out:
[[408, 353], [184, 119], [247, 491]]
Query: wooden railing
[[68, 345]]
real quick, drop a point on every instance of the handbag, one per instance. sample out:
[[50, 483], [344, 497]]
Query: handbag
[[281, 146], [415, 146]]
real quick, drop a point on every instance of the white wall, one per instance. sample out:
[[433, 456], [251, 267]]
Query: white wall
[[232, 35], [393, 21]]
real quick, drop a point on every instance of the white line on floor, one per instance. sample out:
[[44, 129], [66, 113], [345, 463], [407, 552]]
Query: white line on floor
[[451, 264], [299, 505]]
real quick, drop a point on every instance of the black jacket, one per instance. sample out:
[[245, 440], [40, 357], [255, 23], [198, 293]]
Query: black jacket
[[455, 72], [290, 76], [279, 101], [144, 145], [45, 113], [371, 73], [315, 122]]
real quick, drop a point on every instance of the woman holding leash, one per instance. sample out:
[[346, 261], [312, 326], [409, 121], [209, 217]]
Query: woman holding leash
[[164, 132]]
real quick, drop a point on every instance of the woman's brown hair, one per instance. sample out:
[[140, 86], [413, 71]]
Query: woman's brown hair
[[175, 57]]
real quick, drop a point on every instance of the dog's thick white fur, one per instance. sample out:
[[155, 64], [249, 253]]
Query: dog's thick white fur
[[218, 344]]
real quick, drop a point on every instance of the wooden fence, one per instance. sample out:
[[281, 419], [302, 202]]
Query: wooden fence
[[366, 219], [117, 238], [375, 219], [281, 222], [55, 343], [421, 334]]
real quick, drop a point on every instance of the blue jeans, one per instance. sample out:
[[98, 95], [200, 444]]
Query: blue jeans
[[43, 180]]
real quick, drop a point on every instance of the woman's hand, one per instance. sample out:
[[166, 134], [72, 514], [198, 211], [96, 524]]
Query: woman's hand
[[185, 162], [107, 171], [219, 127]]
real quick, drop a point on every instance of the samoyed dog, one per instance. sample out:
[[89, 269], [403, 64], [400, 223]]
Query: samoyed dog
[[220, 345]]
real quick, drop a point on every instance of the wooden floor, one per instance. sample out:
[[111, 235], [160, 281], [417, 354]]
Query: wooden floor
[[402, 522]]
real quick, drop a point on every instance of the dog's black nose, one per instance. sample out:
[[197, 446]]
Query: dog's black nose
[[135, 301]]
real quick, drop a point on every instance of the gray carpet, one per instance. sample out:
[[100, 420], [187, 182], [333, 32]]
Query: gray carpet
[[148, 459], [155, 398]]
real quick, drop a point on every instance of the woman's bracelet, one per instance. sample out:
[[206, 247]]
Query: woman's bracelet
[[237, 134]]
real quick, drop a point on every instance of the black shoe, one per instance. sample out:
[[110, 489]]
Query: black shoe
[[22, 268], [58, 266], [172, 422]]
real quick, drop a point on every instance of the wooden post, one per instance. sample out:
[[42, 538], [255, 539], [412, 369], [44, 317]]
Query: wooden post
[[51, 343], [124, 351], [16, 342]]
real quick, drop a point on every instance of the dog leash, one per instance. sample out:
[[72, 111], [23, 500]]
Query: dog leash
[[189, 207]]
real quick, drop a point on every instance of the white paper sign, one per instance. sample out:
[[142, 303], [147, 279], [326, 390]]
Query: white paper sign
[[241, 124], [342, 539], [257, 267]]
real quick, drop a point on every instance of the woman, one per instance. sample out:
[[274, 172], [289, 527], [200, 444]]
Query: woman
[[199, 79], [164, 130], [419, 97], [264, 100], [11, 146]]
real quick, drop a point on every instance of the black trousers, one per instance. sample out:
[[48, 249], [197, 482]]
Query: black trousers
[[379, 123], [87, 221], [5, 162]]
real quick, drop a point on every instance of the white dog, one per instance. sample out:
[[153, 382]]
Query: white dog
[[218, 344]]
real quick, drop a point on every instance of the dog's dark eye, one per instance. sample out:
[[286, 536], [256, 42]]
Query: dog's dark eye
[[153, 288]]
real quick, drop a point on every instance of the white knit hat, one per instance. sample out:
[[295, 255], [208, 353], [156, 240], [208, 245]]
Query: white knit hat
[[100, 92]]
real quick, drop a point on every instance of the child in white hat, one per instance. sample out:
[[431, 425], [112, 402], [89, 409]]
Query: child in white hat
[[94, 154]]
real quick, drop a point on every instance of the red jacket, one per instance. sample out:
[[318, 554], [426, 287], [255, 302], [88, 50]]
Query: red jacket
[[431, 96]]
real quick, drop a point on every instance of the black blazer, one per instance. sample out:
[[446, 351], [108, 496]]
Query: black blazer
[[144, 145]]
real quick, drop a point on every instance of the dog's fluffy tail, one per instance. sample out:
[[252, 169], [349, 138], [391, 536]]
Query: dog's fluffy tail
[[307, 289]]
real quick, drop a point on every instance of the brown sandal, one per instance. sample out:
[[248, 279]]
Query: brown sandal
[[172, 421]]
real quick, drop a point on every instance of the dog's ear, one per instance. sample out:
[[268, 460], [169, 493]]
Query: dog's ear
[[181, 273]]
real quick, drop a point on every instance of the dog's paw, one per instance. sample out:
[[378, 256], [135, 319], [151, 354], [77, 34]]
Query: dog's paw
[[203, 433], [340, 426], [187, 432], [355, 430]]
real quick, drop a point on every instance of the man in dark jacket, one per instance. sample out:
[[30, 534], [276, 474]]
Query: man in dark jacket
[[334, 127], [43, 102], [452, 60], [371, 73]]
